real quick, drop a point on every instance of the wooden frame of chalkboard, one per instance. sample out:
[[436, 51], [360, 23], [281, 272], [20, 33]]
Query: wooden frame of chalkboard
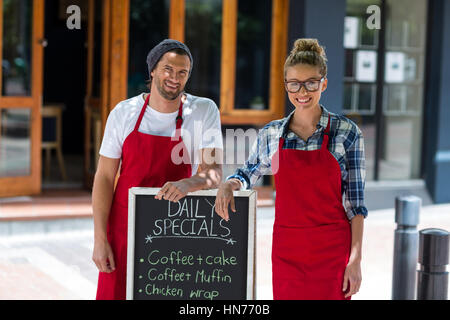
[[177, 255]]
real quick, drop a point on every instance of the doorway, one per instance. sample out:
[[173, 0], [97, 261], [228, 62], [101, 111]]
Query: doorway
[[64, 86], [81, 71], [74, 61]]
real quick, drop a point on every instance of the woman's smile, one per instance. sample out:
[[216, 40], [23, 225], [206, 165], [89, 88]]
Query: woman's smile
[[303, 100]]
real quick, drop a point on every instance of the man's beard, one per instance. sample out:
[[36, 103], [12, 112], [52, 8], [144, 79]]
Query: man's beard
[[167, 95]]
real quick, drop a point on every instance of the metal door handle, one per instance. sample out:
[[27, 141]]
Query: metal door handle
[[43, 42]]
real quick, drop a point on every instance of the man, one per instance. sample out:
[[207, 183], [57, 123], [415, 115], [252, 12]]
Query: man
[[150, 134]]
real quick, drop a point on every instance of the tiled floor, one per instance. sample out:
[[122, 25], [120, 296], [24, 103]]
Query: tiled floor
[[47, 267], [50, 204], [58, 265]]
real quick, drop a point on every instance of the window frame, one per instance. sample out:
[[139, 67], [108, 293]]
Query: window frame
[[31, 183]]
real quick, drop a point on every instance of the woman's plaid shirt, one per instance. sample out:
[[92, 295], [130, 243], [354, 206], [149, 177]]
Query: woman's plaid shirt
[[346, 145]]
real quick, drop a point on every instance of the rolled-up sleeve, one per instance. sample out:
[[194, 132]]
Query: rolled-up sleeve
[[355, 161]]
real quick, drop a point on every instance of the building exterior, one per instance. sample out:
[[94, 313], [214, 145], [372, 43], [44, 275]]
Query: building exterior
[[386, 58]]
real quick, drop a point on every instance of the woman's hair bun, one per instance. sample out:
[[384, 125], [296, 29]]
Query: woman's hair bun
[[307, 45], [307, 51]]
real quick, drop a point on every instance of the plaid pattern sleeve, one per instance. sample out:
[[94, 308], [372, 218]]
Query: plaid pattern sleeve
[[346, 145], [355, 180]]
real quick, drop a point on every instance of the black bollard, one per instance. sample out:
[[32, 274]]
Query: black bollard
[[406, 241], [432, 277]]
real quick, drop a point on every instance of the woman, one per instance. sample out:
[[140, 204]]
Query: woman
[[316, 157]]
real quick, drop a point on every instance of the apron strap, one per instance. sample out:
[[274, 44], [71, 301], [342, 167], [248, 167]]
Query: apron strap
[[326, 135], [141, 115], [179, 118], [179, 121], [280, 143]]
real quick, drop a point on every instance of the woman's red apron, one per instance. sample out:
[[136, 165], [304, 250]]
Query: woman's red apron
[[311, 235], [146, 162]]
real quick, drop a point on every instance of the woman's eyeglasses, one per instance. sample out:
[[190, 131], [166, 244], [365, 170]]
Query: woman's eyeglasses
[[310, 85]]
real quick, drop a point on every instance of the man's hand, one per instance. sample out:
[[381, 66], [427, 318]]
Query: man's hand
[[173, 191], [102, 195], [208, 176]]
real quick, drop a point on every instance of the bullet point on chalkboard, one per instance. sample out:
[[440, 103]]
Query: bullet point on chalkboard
[[140, 290], [142, 260], [140, 277]]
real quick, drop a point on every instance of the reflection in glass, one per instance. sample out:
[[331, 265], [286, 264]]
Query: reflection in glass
[[369, 37], [412, 66], [402, 106], [349, 64], [148, 27], [253, 54], [15, 142], [394, 98], [366, 98], [403, 66], [394, 34], [414, 99], [348, 94], [358, 9], [406, 28], [203, 37], [401, 146], [16, 63], [400, 124]]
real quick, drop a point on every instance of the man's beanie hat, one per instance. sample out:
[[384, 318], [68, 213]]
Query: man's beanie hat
[[160, 49]]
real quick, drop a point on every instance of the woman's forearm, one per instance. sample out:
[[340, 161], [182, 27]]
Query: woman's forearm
[[357, 227]]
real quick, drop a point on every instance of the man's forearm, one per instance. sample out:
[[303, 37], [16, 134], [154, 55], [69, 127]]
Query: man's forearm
[[102, 196], [207, 178]]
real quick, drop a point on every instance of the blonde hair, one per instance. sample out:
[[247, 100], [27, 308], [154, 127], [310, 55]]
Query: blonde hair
[[307, 51]]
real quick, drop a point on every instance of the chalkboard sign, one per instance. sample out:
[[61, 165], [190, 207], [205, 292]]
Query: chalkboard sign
[[184, 250]]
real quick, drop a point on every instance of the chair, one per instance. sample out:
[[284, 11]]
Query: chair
[[54, 141]]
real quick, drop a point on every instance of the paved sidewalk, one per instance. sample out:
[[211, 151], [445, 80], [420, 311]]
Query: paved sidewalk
[[378, 249], [56, 263]]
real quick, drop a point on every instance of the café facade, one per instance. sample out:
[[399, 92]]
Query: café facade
[[67, 63]]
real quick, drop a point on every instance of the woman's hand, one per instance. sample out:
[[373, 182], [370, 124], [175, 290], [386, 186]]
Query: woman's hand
[[353, 276], [225, 197], [103, 256]]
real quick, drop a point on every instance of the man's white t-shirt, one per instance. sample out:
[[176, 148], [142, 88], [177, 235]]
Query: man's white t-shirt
[[200, 128]]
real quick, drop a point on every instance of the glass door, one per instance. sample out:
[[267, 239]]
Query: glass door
[[106, 83], [403, 86], [21, 54], [383, 84]]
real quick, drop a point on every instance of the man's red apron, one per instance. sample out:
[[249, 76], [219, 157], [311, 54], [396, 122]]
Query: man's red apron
[[311, 235], [146, 162]]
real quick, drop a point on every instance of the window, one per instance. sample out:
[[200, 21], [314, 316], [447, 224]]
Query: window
[[253, 55], [203, 37], [252, 92], [148, 27], [245, 79]]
